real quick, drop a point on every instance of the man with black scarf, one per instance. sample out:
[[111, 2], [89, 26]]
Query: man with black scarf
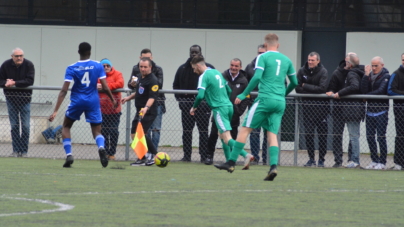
[[186, 79], [312, 79]]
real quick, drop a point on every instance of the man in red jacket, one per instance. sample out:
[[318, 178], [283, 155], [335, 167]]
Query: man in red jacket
[[110, 116]]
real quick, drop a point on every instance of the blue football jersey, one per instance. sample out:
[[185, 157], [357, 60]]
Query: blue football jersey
[[85, 75]]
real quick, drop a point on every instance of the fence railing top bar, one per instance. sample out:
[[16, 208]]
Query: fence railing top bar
[[194, 92]]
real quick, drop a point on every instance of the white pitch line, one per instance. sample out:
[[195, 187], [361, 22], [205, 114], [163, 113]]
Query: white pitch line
[[214, 191], [62, 207], [56, 174]]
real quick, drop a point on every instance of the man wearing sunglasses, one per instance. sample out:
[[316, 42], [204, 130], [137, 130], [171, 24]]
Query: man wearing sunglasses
[[18, 72]]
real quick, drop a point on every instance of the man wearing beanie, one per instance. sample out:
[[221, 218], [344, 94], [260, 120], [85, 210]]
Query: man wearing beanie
[[110, 116]]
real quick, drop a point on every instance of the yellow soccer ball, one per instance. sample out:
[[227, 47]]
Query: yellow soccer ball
[[161, 159]]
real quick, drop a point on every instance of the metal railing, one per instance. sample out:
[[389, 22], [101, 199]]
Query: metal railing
[[292, 134]]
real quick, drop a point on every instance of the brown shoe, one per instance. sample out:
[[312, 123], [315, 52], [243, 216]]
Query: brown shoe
[[111, 157]]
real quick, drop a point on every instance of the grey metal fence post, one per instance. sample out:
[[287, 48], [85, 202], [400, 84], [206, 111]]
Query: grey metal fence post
[[128, 124], [296, 147]]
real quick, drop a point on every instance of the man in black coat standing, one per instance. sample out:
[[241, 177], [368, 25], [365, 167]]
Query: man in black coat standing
[[186, 79], [312, 79], [18, 72], [346, 81]]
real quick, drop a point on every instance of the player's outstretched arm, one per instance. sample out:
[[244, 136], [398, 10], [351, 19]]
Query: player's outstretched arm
[[106, 89], [253, 83], [199, 97], [61, 97], [292, 84]]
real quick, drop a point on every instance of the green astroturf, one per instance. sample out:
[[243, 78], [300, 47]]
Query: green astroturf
[[193, 194]]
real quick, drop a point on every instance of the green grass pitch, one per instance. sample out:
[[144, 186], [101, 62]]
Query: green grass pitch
[[39, 192]]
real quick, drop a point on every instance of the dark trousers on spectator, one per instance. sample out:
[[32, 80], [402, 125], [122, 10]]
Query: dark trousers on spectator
[[201, 119], [235, 122], [255, 144], [377, 125], [19, 115], [109, 129], [315, 117], [399, 141]]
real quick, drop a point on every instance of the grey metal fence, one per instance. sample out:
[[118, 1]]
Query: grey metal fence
[[293, 134]]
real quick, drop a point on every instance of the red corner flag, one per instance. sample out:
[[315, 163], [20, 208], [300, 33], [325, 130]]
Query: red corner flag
[[139, 145]]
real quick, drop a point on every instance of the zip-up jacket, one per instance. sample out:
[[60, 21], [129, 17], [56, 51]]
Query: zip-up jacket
[[379, 87], [237, 87], [314, 80], [396, 84], [114, 81]]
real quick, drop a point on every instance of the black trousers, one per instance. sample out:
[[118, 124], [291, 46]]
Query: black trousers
[[315, 117], [201, 119], [399, 141], [109, 129], [146, 121]]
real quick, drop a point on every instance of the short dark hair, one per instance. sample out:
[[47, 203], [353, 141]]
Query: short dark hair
[[148, 60], [195, 45], [237, 59], [315, 54], [197, 59], [261, 46], [145, 51], [84, 48]]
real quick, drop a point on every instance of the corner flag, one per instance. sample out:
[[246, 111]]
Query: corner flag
[[139, 145]]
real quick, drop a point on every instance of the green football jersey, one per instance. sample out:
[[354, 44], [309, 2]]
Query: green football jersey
[[214, 85], [276, 67]]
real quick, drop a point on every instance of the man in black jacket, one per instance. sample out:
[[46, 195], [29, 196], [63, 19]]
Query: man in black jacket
[[18, 72], [346, 81], [186, 79], [396, 88], [155, 128], [237, 81], [375, 82], [312, 79]]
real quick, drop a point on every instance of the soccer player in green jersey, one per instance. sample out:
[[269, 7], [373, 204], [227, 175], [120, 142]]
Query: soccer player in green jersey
[[214, 89], [270, 71]]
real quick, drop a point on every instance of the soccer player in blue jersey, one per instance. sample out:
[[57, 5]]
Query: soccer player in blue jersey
[[84, 98]]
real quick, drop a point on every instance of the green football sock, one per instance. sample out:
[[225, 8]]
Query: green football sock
[[242, 153], [273, 153], [237, 148], [226, 150]]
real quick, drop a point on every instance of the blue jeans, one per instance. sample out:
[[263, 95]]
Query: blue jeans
[[377, 124], [109, 129], [255, 144], [353, 129], [155, 128], [19, 111]]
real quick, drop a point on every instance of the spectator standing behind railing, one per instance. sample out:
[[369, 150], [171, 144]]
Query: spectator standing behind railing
[[186, 79], [155, 128], [375, 82], [18, 72], [110, 116], [346, 81], [312, 78], [396, 87]]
